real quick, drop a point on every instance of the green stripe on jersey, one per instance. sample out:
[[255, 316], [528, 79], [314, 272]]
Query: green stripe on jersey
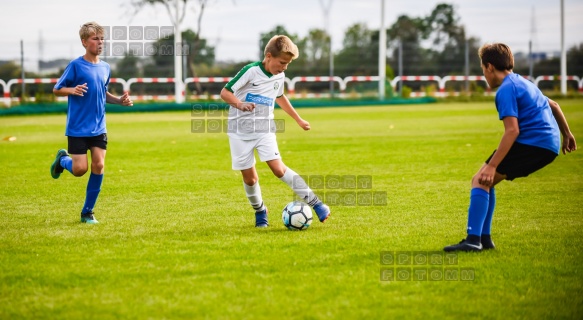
[[241, 73]]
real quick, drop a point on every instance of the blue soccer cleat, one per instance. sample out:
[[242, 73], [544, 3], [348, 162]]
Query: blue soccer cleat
[[261, 219], [88, 218], [322, 210], [56, 168]]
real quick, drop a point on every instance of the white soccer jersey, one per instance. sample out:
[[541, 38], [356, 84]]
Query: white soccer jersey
[[254, 84]]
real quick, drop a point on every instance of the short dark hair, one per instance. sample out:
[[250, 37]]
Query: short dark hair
[[497, 54]]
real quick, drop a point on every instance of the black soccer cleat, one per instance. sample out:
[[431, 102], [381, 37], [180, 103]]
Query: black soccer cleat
[[464, 245], [487, 242], [88, 218]]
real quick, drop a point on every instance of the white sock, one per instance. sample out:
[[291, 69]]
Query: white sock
[[254, 195], [300, 187]]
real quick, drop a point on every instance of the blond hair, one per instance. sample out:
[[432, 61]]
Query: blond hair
[[281, 44], [89, 29]]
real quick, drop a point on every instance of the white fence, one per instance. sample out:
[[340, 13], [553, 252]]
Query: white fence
[[290, 83]]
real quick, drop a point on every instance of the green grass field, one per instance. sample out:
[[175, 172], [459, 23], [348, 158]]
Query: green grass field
[[177, 237]]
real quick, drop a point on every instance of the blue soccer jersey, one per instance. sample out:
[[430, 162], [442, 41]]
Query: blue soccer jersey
[[520, 98], [86, 114]]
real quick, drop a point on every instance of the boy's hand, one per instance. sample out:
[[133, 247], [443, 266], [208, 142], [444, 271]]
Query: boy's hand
[[79, 90], [246, 106], [486, 175], [304, 124], [125, 100], [569, 144]]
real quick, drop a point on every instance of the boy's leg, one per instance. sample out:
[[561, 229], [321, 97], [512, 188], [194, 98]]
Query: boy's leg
[[300, 187], [486, 237], [477, 214], [56, 167], [243, 159], [253, 192], [76, 161], [94, 184]]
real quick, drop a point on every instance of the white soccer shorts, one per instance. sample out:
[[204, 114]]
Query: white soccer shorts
[[243, 155]]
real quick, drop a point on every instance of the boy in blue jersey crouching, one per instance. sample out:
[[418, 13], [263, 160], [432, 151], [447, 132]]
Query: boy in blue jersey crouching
[[531, 140], [85, 82]]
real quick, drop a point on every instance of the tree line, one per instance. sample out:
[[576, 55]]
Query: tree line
[[434, 44]]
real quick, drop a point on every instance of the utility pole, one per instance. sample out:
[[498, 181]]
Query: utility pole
[[382, 53], [467, 66], [530, 46], [563, 52], [401, 68], [22, 68], [326, 10]]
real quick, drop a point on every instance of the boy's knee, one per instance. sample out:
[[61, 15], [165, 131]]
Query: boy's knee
[[250, 181], [279, 172], [79, 172], [97, 167]]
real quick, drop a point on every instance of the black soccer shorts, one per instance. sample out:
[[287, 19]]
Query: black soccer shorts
[[80, 145], [523, 160]]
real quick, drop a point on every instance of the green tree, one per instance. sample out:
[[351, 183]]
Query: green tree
[[359, 53], [316, 52], [448, 39], [575, 60], [407, 32], [163, 61], [9, 70], [127, 67]]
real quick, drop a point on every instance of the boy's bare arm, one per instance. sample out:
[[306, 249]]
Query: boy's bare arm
[[569, 143], [124, 100], [232, 100], [284, 104], [78, 90]]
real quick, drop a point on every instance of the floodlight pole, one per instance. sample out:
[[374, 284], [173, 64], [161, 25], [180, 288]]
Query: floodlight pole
[[382, 53], [563, 52], [178, 55], [530, 62], [22, 68], [467, 66], [326, 10], [401, 67]]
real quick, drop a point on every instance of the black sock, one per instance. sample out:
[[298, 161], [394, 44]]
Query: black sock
[[473, 239]]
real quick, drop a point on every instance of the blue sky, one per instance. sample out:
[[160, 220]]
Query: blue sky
[[233, 26]]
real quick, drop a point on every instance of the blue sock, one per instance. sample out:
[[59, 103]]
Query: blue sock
[[479, 199], [487, 228], [93, 188], [67, 163]]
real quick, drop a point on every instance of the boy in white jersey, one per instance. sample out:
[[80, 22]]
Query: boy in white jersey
[[252, 95]]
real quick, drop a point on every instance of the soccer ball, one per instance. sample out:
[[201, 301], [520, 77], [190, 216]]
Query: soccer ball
[[297, 216]]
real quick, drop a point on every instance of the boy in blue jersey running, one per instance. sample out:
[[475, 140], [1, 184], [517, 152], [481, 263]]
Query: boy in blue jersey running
[[531, 140], [85, 82], [252, 94]]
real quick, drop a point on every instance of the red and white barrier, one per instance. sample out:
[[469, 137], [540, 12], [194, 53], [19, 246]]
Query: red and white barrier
[[291, 84], [552, 78]]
